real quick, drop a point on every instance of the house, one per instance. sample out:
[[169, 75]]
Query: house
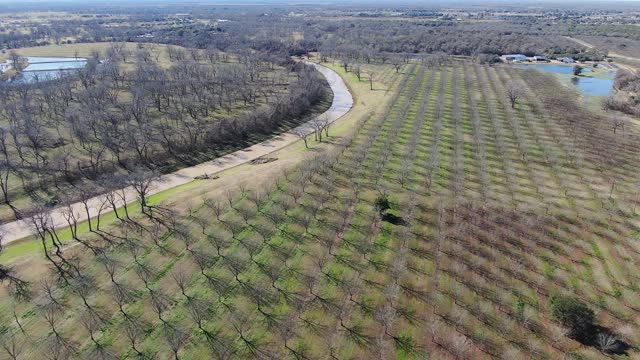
[[514, 57], [567, 60], [540, 58]]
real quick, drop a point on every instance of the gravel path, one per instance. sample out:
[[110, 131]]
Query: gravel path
[[342, 103]]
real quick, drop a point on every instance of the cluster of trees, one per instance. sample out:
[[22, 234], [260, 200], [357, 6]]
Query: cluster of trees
[[627, 86], [430, 37], [271, 33], [105, 119]]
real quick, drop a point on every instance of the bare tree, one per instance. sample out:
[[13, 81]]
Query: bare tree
[[397, 63], [514, 92], [182, 277], [357, 71], [320, 123], [6, 168], [302, 135], [61, 347], [17, 61], [133, 330], [142, 183], [607, 342], [371, 75], [160, 303], [11, 345], [7, 274], [345, 63], [92, 324], [618, 123], [175, 338]]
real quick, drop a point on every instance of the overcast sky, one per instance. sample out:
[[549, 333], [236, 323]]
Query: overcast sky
[[602, 3]]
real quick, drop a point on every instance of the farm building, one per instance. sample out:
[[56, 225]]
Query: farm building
[[567, 60], [540, 58], [514, 57]]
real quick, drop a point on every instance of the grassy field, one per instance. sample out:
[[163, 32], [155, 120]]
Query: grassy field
[[494, 210], [85, 50]]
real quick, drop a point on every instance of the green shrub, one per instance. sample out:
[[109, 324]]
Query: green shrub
[[574, 315], [382, 203]]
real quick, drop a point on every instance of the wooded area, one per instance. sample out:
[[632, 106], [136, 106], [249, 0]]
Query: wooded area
[[124, 112]]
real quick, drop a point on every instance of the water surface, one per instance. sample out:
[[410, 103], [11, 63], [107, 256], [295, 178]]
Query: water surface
[[47, 59], [598, 86]]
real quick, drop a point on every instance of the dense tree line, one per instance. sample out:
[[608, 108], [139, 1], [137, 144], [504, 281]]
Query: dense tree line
[[271, 31], [626, 84]]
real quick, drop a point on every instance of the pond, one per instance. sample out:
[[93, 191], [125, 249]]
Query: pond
[[41, 68], [599, 85]]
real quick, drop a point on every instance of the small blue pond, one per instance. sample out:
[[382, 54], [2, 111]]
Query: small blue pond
[[599, 86]]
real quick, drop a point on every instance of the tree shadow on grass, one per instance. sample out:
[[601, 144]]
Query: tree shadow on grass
[[604, 340], [394, 220]]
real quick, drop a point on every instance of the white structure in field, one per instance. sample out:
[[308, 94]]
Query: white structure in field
[[567, 60], [540, 58], [5, 66], [514, 58]]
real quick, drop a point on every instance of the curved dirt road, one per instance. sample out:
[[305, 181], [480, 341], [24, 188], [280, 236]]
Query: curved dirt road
[[611, 54], [342, 103]]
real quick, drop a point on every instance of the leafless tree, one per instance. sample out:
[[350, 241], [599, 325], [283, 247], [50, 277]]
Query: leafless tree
[[142, 183], [6, 168], [84, 286], [45, 231], [607, 342], [122, 296], [17, 61], [92, 324], [133, 330], [302, 135], [215, 206], [345, 62], [357, 71], [201, 311], [61, 347], [160, 303], [182, 277], [20, 288], [397, 63], [175, 338], [371, 75], [618, 123], [514, 92], [320, 123], [11, 345]]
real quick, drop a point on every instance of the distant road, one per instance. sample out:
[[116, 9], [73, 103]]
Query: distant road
[[342, 103], [611, 54]]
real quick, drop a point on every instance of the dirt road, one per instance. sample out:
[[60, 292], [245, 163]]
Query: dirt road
[[342, 103], [611, 54]]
